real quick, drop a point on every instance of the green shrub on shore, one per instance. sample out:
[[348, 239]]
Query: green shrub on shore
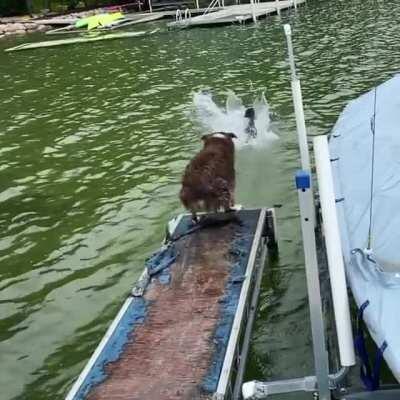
[[18, 7], [12, 7]]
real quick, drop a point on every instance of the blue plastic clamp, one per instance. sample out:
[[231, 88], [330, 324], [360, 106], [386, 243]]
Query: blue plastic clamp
[[303, 180]]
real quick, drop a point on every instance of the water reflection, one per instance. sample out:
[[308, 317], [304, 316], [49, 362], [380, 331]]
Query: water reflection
[[93, 142]]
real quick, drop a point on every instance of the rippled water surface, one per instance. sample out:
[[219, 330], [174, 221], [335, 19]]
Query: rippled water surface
[[93, 140]]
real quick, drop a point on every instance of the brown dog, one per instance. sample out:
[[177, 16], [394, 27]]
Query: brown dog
[[208, 183]]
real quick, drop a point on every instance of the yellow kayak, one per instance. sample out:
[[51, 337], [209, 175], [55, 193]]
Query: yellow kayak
[[98, 20]]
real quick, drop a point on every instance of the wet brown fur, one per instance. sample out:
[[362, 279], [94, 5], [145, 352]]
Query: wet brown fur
[[208, 183]]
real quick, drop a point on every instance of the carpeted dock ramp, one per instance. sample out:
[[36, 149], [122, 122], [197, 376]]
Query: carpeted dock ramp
[[179, 337]]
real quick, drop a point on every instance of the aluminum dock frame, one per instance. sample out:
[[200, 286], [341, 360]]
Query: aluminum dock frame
[[322, 382], [184, 331]]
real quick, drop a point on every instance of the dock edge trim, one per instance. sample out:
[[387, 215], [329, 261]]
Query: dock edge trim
[[237, 322]]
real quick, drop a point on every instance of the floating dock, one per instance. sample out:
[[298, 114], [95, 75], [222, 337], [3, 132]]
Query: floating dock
[[133, 19], [184, 331], [87, 39], [239, 13]]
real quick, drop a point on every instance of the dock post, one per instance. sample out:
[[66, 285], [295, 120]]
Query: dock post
[[298, 107], [253, 11], [306, 202], [320, 382], [307, 215], [278, 8], [298, 104]]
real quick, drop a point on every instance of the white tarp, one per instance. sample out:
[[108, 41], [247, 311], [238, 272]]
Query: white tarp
[[375, 275]]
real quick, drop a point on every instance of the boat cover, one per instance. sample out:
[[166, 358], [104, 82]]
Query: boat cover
[[373, 270]]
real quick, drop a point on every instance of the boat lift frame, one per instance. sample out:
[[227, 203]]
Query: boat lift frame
[[322, 382]]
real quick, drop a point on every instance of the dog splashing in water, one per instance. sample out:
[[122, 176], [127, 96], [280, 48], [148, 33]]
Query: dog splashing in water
[[208, 183], [251, 129]]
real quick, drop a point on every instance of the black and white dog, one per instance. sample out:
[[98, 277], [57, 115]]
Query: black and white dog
[[251, 129]]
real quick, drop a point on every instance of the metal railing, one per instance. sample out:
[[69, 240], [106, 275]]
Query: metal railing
[[213, 4], [183, 17]]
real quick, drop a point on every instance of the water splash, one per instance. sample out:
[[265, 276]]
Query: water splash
[[214, 118]]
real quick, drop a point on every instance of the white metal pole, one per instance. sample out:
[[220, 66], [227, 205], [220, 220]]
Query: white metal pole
[[197, 4], [334, 252], [278, 8], [306, 202], [253, 10], [298, 104], [188, 15], [150, 6], [300, 122], [298, 108]]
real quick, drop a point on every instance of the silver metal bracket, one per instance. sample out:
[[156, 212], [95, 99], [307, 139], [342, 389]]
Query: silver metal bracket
[[256, 390], [260, 390]]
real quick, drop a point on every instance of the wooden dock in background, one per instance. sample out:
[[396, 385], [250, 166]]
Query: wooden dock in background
[[79, 40], [213, 15], [239, 13]]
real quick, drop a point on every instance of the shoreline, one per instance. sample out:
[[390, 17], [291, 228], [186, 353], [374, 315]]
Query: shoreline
[[21, 25]]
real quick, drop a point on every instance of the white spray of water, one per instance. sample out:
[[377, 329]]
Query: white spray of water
[[231, 119]]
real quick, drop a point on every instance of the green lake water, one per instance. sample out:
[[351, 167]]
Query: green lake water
[[93, 142]]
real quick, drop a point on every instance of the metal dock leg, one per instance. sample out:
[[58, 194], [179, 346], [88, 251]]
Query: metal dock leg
[[320, 382], [306, 202]]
